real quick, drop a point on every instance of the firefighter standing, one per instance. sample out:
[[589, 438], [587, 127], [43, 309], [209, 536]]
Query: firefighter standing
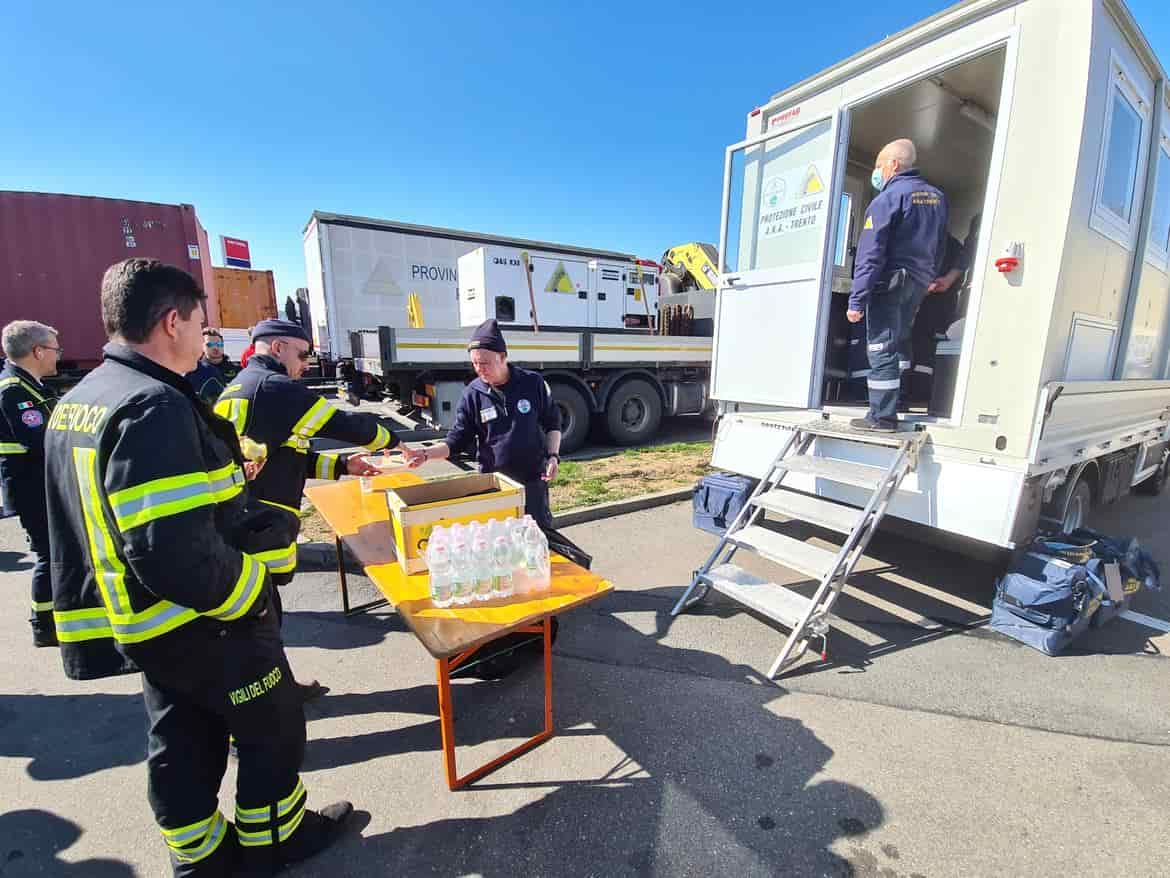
[[277, 417], [32, 352], [145, 487]]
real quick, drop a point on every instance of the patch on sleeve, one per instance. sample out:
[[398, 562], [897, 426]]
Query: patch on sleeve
[[868, 223], [27, 404], [32, 418]]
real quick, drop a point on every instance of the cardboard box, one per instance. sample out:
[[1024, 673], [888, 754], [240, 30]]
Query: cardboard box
[[416, 510]]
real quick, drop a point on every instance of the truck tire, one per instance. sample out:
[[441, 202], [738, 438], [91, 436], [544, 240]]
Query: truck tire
[[633, 413], [1076, 508], [574, 415], [1153, 486]]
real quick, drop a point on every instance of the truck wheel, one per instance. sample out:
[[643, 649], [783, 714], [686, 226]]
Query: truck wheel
[[633, 413], [1153, 486], [1076, 509], [574, 415]]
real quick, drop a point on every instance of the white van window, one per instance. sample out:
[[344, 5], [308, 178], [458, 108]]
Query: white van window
[[844, 223], [779, 200], [1160, 219], [1123, 158]]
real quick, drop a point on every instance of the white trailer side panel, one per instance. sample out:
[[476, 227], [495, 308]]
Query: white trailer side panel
[[374, 270], [612, 349], [315, 282], [443, 347]]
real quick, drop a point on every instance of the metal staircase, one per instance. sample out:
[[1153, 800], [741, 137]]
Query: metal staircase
[[806, 617]]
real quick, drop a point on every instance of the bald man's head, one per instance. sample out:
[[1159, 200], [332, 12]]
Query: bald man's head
[[895, 157]]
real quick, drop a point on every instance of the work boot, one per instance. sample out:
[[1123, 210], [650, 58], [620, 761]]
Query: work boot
[[318, 830], [43, 636], [870, 426]]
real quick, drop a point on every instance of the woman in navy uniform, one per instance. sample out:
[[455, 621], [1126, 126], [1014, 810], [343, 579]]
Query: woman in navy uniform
[[509, 416]]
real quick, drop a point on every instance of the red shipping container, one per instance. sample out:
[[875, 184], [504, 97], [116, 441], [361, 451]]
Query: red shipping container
[[54, 250]]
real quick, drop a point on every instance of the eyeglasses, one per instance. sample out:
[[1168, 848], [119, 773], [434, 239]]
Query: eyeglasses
[[214, 344], [45, 347], [303, 356]]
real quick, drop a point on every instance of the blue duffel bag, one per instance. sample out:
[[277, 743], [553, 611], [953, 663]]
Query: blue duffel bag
[[718, 499], [1045, 602], [1136, 569]]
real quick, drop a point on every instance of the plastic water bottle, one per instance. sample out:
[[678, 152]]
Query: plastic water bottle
[[464, 576], [516, 543], [441, 574], [481, 563], [536, 562], [502, 582]]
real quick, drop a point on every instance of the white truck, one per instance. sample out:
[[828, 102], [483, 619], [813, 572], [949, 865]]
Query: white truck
[[597, 344], [1047, 118]]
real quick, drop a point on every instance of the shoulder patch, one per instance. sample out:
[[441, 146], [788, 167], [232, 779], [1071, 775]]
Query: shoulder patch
[[868, 223], [32, 418]]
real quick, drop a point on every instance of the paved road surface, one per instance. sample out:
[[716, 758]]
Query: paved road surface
[[924, 746]]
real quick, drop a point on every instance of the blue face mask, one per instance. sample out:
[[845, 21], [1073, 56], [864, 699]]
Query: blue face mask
[[877, 180]]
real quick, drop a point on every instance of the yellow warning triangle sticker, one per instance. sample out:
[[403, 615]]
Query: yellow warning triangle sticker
[[868, 223], [560, 282], [812, 185]]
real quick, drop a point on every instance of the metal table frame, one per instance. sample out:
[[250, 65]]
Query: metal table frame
[[447, 711]]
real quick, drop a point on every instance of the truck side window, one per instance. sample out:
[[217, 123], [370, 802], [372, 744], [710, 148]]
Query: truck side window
[[1122, 166]]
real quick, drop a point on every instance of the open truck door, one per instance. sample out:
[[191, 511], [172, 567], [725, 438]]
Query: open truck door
[[772, 301]]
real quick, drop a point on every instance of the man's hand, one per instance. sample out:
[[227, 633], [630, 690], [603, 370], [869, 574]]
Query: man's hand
[[415, 457], [252, 468], [359, 466], [944, 283], [552, 466], [854, 316]]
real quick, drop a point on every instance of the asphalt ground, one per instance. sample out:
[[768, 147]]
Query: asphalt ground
[[925, 745]]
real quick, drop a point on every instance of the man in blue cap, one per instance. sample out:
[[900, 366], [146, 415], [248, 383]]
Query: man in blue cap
[[508, 414], [276, 417]]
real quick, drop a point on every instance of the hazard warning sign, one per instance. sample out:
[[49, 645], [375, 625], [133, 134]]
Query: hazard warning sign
[[792, 201], [560, 282]]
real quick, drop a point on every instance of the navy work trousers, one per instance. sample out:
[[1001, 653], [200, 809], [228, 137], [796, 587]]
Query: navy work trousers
[[889, 324]]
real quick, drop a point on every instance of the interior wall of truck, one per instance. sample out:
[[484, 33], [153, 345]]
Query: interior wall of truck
[[951, 117]]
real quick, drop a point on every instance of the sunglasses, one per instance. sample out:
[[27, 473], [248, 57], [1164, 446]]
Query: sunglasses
[[215, 344]]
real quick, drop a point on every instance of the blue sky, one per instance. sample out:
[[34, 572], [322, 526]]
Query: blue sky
[[599, 124]]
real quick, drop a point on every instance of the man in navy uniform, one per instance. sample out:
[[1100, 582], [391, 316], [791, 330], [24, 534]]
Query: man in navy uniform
[[215, 370], [898, 254], [32, 350], [508, 414]]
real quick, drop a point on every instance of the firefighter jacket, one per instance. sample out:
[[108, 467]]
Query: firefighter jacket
[[145, 491], [270, 409], [25, 406]]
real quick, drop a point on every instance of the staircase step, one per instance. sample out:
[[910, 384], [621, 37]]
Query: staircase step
[[813, 561], [814, 510], [768, 598], [843, 430], [844, 472]]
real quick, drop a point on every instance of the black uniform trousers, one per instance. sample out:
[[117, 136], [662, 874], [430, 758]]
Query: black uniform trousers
[[26, 497], [536, 503], [198, 692]]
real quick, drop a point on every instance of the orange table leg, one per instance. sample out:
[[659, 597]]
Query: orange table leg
[[447, 713]]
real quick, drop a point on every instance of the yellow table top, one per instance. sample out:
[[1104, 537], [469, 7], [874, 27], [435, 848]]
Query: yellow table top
[[362, 523]]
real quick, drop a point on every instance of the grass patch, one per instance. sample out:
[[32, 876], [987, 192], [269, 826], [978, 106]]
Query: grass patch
[[632, 473]]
